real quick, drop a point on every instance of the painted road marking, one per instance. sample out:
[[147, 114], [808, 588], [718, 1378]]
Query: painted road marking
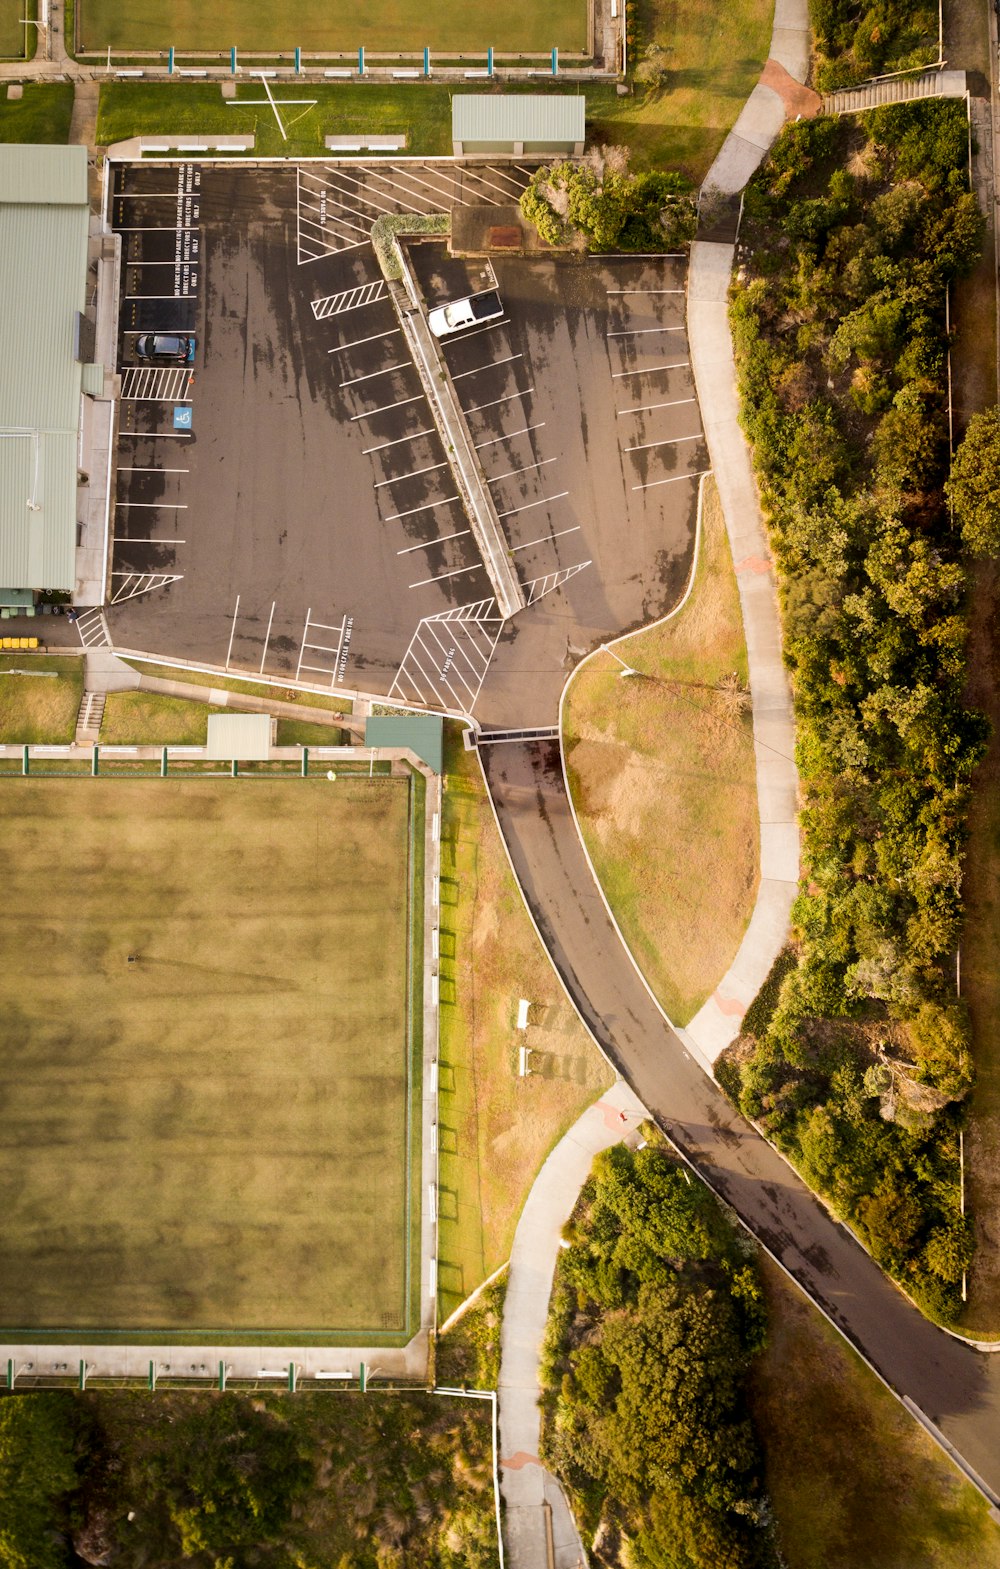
[[403, 365], [133, 470], [427, 507], [529, 504], [646, 408], [673, 441], [652, 483], [644, 291], [459, 572], [343, 347], [507, 474], [490, 365], [546, 537], [164, 506], [508, 436], [267, 639], [466, 336], [387, 408], [638, 332], [414, 472], [442, 539], [398, 442], [650, 370], [520, 392]]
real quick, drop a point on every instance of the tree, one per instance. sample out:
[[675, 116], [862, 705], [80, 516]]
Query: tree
[[973, 490], [38, 1479]]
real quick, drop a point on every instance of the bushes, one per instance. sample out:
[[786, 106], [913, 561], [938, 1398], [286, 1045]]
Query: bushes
[[656, 1314], [603, 206], [856, 39], [840, 344]]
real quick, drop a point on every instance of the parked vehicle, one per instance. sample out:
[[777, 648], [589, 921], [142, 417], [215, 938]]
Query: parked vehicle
[[178, 348], [473, 311]]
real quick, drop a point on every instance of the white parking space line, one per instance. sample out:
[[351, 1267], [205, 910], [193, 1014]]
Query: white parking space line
[[426, 544], [468, 336], [647, 408], [270, 622], [520, 392], [546, 537], [413, 473], [490, 365], [134, 470], [508, 473], [640, 332], [232, 632], [652, 483], [459, 572], [427, 507], [164, 506], [387, 408], [156, 435], [450, 652], [645, 291], [403, 365], [672, 441], [650, 370], [398, 441], [342, 348], [508, 435], [131, 539], [529, 504]]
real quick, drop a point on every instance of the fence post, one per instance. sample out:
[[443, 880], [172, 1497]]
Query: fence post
[[361, 60], [489, 61], [298, 60], [555, 62], [232, 61], [427, 61]]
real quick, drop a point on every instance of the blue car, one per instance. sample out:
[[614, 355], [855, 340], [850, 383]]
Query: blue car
[[178, 348]]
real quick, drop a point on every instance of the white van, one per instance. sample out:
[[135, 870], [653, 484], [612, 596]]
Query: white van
[[470, 312]]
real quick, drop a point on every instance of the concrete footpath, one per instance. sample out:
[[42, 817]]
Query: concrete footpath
[[537, 1516]]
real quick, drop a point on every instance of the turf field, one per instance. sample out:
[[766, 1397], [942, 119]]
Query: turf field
[[213, 1138], [12, 29], [315, 25]]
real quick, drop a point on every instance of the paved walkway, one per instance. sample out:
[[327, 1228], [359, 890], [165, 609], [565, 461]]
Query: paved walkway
[[776, 97], [535, 1505]]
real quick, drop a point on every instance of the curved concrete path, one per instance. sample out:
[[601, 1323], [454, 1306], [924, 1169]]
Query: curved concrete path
[[536, 1509]]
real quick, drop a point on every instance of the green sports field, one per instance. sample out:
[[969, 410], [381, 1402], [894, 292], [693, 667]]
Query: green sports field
[[12, 29], [213, 1140], [315, 25]]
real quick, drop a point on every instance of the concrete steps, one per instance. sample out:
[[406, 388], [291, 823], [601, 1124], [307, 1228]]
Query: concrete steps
[[88, 720], [896, 90]]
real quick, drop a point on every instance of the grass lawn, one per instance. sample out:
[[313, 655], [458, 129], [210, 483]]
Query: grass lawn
[[12, 30], [299, 732], [214, 1137], [276, 694], [852, 1477], [495, 1129], [717, 49], [662, 775], [129, 25], [39, 708], [148, 719], [42, 115]]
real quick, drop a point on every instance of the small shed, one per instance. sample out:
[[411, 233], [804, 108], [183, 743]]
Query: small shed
[[421, 733], [516, 125], [240, 738]]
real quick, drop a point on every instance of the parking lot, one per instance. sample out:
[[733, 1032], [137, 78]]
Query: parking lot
[[302, 522]]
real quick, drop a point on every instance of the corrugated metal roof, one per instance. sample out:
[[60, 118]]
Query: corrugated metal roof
[[421, 733], [246, 737], [44, 218], [37, 176], [517, 117]]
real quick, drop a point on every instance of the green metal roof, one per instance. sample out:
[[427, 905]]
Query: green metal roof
[[421, 733], [44, 218], [517, 117]]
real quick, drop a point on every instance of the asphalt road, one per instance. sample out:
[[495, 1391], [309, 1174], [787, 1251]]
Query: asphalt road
[[957, 1387]]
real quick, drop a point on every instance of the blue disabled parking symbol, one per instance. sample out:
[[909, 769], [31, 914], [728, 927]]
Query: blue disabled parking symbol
[[182, 416]]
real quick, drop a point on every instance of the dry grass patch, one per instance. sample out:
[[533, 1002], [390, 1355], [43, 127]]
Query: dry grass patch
[[39, 709], [853, 1478], [661, 769], [495, 1129]]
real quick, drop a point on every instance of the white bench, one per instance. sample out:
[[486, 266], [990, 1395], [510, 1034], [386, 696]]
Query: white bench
[[187, 71], [138, 72], [408, 72], [477, 73], [360, 144], [340, 70]]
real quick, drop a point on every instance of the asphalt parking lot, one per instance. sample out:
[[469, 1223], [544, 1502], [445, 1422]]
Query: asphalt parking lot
[[286, 506]]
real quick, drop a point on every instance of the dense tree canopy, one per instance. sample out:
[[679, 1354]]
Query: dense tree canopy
[[852, 235], [973, 489]]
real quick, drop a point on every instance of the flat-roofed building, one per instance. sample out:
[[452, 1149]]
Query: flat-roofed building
[[44, 225]]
